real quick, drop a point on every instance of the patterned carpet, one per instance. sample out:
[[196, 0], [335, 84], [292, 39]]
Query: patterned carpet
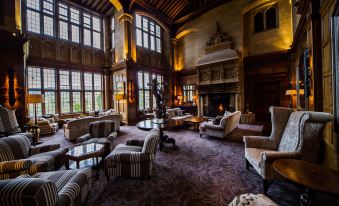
[[198, 171]]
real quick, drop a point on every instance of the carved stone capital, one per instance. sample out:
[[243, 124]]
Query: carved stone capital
[[125, 17]]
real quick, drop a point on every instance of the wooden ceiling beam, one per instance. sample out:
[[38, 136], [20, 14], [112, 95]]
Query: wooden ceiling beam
[[104, 8], [150, 9], [110, 11], [96, 2], [199, 11], [160, 2], [102, 3]]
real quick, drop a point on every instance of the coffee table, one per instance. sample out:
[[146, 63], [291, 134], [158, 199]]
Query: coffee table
[[195, 120], [84, 152], [309, 175], [150, 124]]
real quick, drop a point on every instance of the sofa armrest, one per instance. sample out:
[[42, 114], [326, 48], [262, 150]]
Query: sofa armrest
[[272, 156], [259, 142], [15, 165], [36, 191], [135, 142], [214, 127], [44, 148], [83, 138], [128, 157]]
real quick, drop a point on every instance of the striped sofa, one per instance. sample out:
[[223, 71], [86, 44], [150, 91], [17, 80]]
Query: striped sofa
[[62, 188], [101, 132], [17, 157], [133, 159]]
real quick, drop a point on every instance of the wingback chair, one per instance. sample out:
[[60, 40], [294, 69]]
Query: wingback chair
[[17, 157], [133, 159], [227, 125], [295, 135]]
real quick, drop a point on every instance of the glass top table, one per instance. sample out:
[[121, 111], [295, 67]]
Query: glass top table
[[83, 152]]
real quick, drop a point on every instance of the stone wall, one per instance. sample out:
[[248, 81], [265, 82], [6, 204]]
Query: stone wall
[[192, 45]]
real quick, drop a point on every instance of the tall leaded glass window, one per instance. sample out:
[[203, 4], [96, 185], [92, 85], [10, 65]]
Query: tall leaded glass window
[[75, 25], [40, 16], [63, 21], [71, 22], [188, 91], [42, 81], [148, 33]]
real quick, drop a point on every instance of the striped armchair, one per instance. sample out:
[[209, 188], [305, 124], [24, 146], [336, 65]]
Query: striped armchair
[[100, 132], [133, 159], [295, 135], [17, 157], [68, 187]]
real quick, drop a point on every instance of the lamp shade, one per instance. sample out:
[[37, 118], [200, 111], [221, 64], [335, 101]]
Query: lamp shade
[[119, 97], [291, 92], [35, 98]]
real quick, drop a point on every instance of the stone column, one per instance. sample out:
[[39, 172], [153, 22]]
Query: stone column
[[127, 19]]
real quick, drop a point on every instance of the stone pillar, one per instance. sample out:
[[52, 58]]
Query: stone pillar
[[127, 19]]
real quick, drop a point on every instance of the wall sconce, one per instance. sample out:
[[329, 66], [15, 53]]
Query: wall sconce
[[11, 89], [195, 97], [130, 92]]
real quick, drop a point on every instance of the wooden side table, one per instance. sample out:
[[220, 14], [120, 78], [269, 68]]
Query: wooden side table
[[309, 175]]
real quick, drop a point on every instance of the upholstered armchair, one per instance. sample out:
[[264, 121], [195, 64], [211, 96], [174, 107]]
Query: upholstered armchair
[[17, 157], [133, 159], [101, 132], [67, 187], [295, 135], [227, 124]]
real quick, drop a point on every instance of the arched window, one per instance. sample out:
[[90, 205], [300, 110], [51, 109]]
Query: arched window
[[148, 33], [259, 22], [271, 18]]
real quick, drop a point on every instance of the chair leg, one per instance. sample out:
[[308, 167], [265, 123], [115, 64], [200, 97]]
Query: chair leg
[[247, 165], [265, 184]]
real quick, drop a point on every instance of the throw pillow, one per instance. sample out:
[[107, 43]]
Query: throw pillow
[[216, 121], [227, 113], [9, 122]]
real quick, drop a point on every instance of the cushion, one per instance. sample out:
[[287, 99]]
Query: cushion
[[252, 200], [8, 121], [216, 121], [227, 113]]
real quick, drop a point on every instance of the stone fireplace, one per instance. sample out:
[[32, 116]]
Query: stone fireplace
[[218, 77]]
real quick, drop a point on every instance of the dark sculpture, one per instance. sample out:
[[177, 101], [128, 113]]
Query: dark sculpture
[[160, 91]]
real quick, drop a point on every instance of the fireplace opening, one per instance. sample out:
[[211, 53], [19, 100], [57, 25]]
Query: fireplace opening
[[217, 104]]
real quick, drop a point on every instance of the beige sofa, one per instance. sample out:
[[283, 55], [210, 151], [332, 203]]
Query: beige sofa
[[227, 125], [78, 127], [176, 114]]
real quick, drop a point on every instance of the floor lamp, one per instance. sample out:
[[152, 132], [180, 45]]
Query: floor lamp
[[35, 99], [119, 97]]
